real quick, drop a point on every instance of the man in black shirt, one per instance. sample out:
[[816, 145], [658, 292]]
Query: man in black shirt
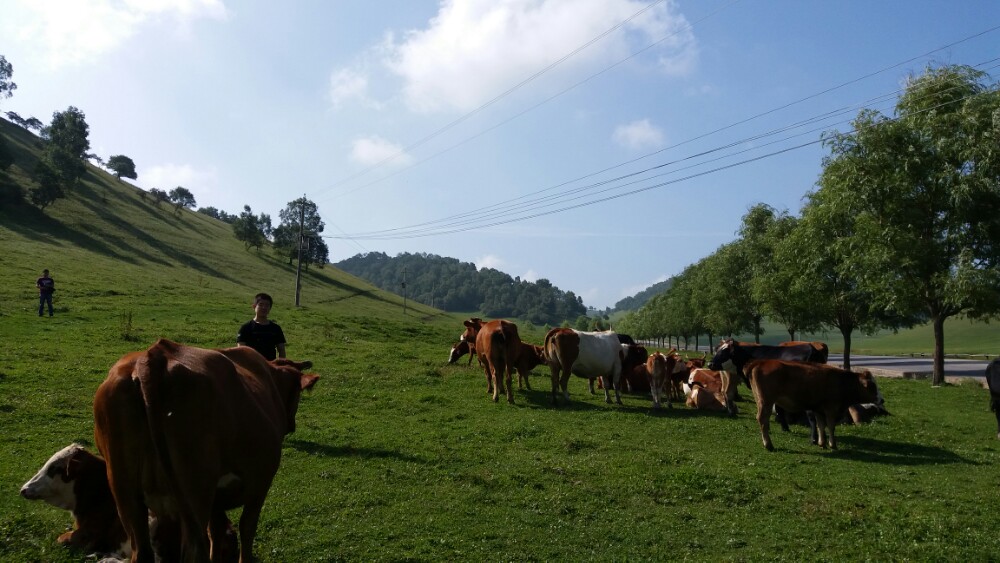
[[261, 334], [46, 287]]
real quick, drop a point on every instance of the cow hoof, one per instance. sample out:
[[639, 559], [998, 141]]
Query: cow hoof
[[770, 447]]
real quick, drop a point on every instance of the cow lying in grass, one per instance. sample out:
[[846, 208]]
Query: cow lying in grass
[[76, 480], [799, 386]]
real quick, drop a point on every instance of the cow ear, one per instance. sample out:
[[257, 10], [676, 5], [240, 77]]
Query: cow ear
[[308, 380], [468, 324], [74, 466]]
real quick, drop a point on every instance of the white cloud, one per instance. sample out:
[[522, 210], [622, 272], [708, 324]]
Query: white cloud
[[168, 176], [529, 276], [67, 32], [489, 261], [473, 50], [349, 85], [375, 150], [639, 134], [630, 291]]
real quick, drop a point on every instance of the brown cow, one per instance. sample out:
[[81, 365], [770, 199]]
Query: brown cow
[[658, 369], [530, 357], [77, 480], [461, 348], [498, 346], [800, 386], [189, 433]]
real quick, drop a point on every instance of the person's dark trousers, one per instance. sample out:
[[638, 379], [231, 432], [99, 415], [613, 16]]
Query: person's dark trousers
[[42, 300]]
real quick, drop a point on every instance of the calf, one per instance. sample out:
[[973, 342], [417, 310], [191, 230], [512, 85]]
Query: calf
[[993, 382], [77, 480], [658, 369], [706, 389], [529, 358], [799, 386]]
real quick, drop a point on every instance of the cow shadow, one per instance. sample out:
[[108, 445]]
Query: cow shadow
[[859, 448], [325, 450]]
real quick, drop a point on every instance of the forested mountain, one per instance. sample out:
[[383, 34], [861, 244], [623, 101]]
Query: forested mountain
[[639, 299], [451, 285]]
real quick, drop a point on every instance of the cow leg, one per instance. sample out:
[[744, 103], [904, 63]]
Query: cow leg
[[489, 378], [555, 370], [510, 385], [607, 394], [813, 433], [222, 538], [248, 524], [616, 379], [729, 390], [591, 381], [823, 420], [782, 418], [764, 420], [995, 407]]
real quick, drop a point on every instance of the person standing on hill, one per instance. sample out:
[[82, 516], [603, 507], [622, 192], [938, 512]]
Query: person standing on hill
[[261, 334], [46, 287]]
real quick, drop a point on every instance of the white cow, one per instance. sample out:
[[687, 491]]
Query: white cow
[[584, 354]]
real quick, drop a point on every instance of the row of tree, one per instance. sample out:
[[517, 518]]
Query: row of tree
[[451, 285], [296, 236], [903, 228]]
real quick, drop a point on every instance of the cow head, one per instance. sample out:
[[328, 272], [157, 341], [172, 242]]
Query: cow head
[[723, 354], [472, 327], [291, 382], [460, 349], [54, 482]]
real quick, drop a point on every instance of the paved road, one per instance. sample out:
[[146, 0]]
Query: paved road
[[918, 367]]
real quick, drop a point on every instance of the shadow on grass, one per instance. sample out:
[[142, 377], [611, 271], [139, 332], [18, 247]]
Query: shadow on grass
[[325, 450], [894, 453]]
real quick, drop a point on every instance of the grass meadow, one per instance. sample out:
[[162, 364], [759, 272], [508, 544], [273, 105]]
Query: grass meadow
[[399, 457]]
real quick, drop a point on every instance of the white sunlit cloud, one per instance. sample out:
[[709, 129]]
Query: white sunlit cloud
[[489, 261], [67, 32], [347, 85], [640, 134], [169, 176], [630, 291], [473, 50], [530, 276], [374, 150]]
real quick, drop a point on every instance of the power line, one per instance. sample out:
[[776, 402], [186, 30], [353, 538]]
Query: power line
[[501, 215]]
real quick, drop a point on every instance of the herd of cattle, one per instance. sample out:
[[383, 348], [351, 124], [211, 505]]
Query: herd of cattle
[[789, 378], [186, 434]]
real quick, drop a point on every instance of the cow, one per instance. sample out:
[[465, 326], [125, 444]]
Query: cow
[[732, 356], [190, 433], [530, 357], [498, 346], [461, 348], [658, 369], [585, 354], [799, 386], [634, 376], [993, 383], [705, 389], [76, 480]]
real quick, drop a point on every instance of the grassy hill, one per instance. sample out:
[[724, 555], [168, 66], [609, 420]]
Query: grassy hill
[[400, 457]]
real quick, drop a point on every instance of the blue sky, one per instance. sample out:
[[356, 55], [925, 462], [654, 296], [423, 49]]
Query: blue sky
[[602, 144]]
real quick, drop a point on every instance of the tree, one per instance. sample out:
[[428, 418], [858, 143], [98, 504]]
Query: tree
[[67, 144], [314, 249], [69, 131], [122, 165], [217, 214], [181, 197], [49, 185], [34, 124], [159, 196], [924, 191], [16, 119], [7, 86], [252, 230]]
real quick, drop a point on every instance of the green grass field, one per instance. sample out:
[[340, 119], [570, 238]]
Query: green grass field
[[400, 457]]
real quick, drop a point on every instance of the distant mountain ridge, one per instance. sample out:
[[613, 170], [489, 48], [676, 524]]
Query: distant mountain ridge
[[639, 299], [451, 285]]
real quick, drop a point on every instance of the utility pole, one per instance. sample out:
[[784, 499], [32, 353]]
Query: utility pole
[[404, 290], [298, 266]]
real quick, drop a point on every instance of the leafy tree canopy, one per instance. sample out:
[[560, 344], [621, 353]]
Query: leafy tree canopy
[[122, 166], [7, 86]]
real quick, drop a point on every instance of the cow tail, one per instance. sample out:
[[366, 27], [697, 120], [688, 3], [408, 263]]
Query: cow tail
[[150, 373], [545, 345]]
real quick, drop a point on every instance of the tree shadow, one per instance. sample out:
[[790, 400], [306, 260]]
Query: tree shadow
[[326, 450]]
